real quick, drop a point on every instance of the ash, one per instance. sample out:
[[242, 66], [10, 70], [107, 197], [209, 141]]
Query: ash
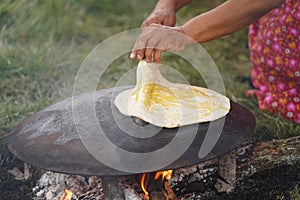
[[51, 186], [188, 184]]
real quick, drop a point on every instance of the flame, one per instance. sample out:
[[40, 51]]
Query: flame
[[165, 175], [67, 195], [143, 184]]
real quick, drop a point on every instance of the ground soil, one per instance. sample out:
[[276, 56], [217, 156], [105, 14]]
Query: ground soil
[[10, 188]]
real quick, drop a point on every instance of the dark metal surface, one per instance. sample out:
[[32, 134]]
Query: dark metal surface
[[49, 139]]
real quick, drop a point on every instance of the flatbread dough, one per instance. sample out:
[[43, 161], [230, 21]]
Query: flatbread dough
[[162, 103]]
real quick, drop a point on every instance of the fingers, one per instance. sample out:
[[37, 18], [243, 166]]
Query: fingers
[[149, 45], [157, 55], [161, 15], [144, 47], [154, 18], [154, 40], [153, 54], [167, 21], [133, 55], [139, 48], [149, 54], [150, 21]]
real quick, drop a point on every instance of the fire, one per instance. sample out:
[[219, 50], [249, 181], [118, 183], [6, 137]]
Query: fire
[[67, 195], [143, 184], [163, 175]]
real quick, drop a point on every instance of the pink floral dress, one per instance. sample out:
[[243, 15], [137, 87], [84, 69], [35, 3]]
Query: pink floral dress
[[274, 43]]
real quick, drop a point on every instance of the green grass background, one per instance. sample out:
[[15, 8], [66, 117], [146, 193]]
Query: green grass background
[[42, 44]]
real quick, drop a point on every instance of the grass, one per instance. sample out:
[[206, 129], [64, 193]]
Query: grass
[[295, 194], [42, 44]]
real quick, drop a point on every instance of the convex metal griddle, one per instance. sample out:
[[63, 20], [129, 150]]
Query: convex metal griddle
[[59, 139]]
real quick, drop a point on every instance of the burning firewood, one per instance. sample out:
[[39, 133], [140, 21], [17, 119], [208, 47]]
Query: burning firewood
[[67, 195], [156, 186]]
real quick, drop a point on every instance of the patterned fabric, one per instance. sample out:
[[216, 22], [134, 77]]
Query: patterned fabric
[[274, 43]]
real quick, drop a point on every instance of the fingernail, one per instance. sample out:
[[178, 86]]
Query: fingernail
[[132, 56], [139, 57]]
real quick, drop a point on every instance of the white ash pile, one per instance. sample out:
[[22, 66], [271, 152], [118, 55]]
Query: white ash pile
[[51, 186]]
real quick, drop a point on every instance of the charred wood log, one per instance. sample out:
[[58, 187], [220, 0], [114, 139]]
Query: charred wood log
[[219, 174], [165, 194], [267, 155], [227, 173]]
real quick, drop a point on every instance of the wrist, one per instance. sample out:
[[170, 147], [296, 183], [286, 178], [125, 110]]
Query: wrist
[[189, 40], [186, 30]]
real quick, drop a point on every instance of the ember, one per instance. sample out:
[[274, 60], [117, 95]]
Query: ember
[[67, 195], [157, 184]]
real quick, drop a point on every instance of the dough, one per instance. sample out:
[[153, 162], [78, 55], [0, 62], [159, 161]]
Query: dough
[[162, 103]]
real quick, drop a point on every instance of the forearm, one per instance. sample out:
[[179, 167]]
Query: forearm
[[229, 17], [174, 4]]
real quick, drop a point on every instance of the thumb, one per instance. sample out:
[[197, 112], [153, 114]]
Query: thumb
[[169, 21], [150, 21]]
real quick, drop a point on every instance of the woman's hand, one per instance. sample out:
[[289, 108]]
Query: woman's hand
[[157, 38], [164, 15]]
